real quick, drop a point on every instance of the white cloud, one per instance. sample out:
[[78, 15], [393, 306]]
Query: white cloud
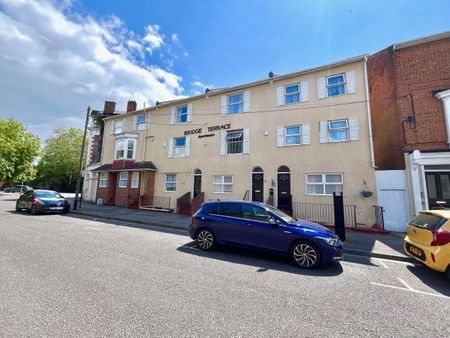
[[153, 38], [174, 37], [55, 63]]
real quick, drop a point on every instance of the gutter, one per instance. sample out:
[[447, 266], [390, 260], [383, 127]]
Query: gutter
[[369, 114]]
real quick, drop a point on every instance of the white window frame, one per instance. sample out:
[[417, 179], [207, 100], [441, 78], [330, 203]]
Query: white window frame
[[178, 114], [118, 126], [331, 130], [293, 93], [122, 179], [227, 143], [167, 183], [323, 183], [286, 135], [241, 103], [179, 151], [125, 143], [103, 180], [344, 84], [220, 183], [141, 125], [134, 179]]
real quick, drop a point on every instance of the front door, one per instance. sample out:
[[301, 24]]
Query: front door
[[197, 183], [438, 189], [284, 192], [258, 187]]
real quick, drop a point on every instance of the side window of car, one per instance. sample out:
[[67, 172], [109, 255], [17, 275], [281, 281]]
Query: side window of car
[[214, 209], [256, 213], [230, 209], [28, 195]]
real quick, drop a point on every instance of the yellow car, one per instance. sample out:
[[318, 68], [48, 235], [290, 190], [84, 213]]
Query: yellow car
[[428, 239]]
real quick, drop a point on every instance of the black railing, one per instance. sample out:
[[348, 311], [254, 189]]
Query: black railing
[[323, 213]]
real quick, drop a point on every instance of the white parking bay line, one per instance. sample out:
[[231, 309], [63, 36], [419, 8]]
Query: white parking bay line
[[383, 263], [404, 283], [410, 290]]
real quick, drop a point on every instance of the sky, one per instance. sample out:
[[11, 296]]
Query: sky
[[57, 57]]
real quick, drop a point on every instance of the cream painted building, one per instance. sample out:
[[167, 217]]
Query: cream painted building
[[286, 140]]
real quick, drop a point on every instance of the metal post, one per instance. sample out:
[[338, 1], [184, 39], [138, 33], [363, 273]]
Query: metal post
[[339, 221], [75, 202]]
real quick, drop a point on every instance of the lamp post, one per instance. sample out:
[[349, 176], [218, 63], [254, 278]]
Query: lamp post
[[77, 191]]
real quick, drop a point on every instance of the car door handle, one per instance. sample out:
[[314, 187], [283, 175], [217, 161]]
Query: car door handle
[[287, 232]]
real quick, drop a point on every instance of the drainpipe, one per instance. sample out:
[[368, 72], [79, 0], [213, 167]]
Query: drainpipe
[[369, 115]]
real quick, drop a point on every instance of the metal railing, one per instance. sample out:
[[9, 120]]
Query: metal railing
[[323, 213], [156, 202]]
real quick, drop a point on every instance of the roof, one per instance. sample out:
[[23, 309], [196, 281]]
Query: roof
[[136, 166], [275, 78], [426, 39]]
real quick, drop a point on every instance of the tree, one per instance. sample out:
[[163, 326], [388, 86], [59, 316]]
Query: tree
[[58, 167], [18, 149]]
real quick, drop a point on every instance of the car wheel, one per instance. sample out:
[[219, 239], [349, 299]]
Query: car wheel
[[306, 255], [33, 210], [206, 240], [17, 207]]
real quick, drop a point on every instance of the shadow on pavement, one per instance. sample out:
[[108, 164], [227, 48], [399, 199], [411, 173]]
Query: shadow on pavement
[[262, 260], [435, 280], [130, 224]]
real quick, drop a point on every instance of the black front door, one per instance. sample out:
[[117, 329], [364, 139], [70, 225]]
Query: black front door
[[284, 192], [438, 189], [197, 185], [258, 187]]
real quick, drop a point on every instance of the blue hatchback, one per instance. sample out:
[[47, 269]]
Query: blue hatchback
[[261, 226]]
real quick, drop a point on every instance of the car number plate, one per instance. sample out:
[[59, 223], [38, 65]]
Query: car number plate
[[416, 252], [56, 208]]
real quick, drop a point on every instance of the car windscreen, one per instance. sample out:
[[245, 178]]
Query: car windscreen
[[47, 194], [428, 221], [280, 214]]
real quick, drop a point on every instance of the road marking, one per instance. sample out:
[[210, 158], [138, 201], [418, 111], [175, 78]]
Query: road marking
[[383, 263], [404, 283], [410, 290]]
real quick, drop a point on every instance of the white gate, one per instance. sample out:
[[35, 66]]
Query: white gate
[[393, 197]]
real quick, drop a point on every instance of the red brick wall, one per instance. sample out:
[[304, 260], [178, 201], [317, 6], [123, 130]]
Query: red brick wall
[[399, 79], [147, 196], [94, 149]]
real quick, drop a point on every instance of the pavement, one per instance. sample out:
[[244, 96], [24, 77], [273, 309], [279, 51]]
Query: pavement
[[380, 245]]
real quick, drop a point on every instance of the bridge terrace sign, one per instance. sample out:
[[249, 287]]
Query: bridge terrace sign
[[209, 130]]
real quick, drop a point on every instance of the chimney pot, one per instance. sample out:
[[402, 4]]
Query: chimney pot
[[131, 106], [110, 107]]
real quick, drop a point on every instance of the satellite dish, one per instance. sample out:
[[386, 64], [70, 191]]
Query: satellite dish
[[271, 74]]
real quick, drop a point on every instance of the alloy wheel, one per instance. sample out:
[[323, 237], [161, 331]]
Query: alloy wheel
[[205, 240], [305, 255]]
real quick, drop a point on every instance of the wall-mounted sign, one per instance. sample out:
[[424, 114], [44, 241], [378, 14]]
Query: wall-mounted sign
[[210, 129]]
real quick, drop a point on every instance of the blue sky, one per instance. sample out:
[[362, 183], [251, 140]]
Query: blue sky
[[60, 56]]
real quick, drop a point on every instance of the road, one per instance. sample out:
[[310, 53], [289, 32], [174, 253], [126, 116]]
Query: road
[[63, 275]]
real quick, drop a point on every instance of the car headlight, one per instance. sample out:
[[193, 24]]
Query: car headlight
[[329, 241]]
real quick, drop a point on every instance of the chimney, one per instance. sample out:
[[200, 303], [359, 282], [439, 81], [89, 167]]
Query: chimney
[[131, 106], [110, 107]]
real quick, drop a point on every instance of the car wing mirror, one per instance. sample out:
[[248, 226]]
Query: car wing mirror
[[273, 222]]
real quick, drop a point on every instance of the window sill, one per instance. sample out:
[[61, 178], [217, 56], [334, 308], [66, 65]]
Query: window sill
[[223, 193]]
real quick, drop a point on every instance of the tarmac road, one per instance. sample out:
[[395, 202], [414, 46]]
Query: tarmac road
[[64, 275]]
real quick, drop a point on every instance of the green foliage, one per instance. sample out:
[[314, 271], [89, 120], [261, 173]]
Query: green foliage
[[18, 149], [58, 167]]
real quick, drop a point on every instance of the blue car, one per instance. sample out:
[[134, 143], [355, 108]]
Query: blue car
[[261, 226]]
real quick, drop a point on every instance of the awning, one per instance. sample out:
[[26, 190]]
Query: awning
[[136, 166]]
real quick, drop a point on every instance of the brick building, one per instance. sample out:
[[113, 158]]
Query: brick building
[[409, 86]]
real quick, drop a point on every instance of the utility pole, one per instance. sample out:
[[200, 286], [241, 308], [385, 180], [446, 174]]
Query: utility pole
[[75, 202]]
